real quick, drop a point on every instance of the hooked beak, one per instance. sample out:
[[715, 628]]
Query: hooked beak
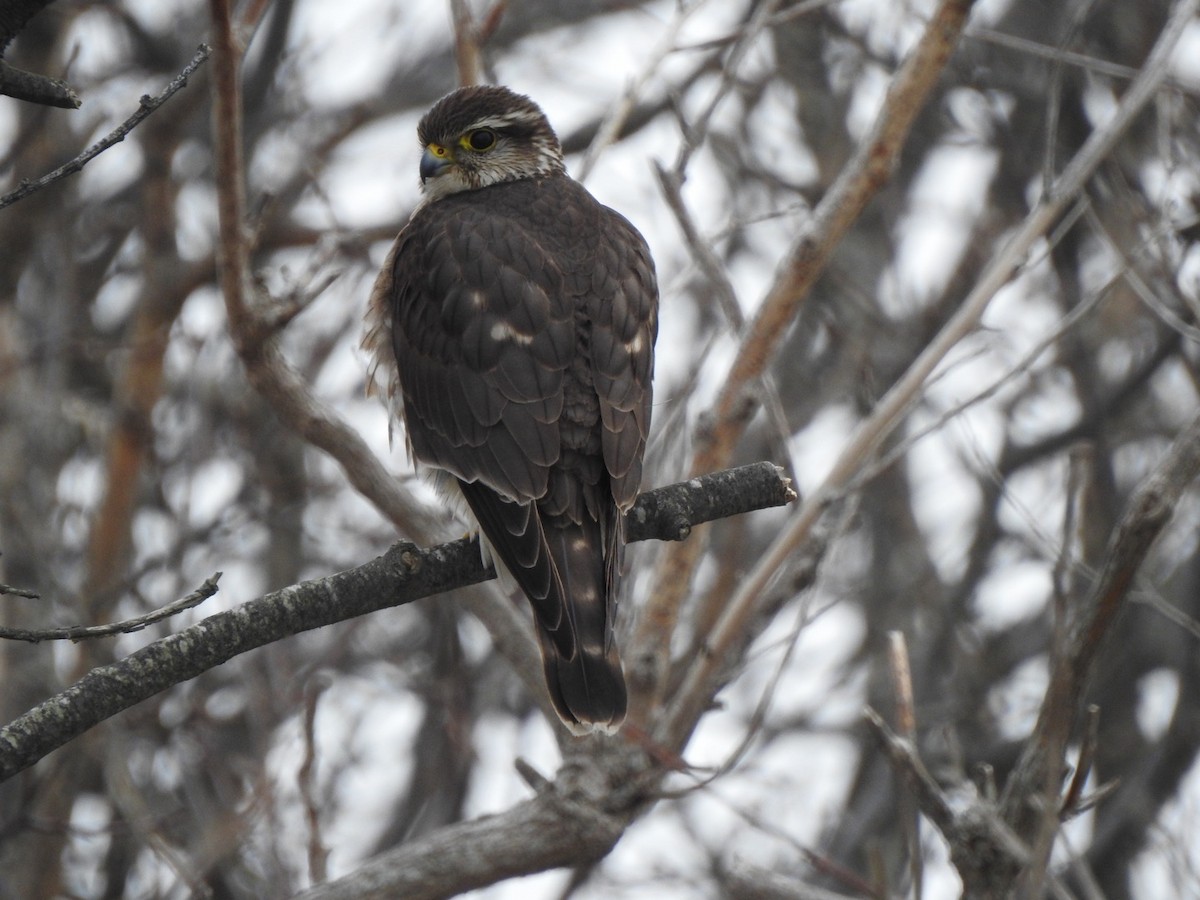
[[435, 160]]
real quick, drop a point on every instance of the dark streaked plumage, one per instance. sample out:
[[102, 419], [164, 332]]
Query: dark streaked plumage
[[517, 316]]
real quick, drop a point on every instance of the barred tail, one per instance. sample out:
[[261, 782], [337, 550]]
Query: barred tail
[[569, 571], [583, 669]]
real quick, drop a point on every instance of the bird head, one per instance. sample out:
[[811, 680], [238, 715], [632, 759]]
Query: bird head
[[483, 135]]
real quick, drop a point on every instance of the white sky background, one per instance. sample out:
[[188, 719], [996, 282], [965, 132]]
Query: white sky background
[[575, 72]]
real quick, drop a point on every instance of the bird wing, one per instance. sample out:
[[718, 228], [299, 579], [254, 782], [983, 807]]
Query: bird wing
[[623, 308], [481, 333]]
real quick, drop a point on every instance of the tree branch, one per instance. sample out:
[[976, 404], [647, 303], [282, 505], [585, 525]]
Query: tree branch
[[1149, 510], [33, 88], [995, 847], [861, 179], [744, 879], [403, 574], [981, 844], [575, 819], [22, 85], [148, 105], [11, 591], [126, 626]]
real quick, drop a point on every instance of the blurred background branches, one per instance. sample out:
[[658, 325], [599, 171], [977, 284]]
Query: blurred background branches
[[974, 355]]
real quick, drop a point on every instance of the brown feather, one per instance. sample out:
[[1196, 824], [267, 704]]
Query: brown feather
[[517, 321]]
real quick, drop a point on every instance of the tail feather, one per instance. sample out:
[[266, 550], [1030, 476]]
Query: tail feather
[[588, 692], [569, 572], [584, 674]]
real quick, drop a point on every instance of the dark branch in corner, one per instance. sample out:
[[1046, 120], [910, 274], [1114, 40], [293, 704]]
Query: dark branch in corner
[[148, 105], [17, 83], [404, 574], [40, 89]]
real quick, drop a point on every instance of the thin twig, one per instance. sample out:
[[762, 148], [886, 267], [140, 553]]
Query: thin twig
[[1054, 103], [9, 590], [1083, 768], [318, 853], [253, 326], [715, 274], [1071, 556], [860, 180], [1041, 842], [128, 626], [1021, 367], [148, 105], [743, 879], [1070, 57], [903, 757], [1131, 276], [779, 18], [906, 722], [233, 270], [697, 127], [977, 835]]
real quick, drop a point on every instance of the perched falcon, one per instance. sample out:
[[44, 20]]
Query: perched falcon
[[517, 316]]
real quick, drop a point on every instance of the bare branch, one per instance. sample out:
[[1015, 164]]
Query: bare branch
[[8, 589], [618, 115], [670, 513], [906, 721], [147, 106], [1064, 56], [128, 626], [746, 880], [981, 844], [1149, 510], [32, 88], [1073, 799], [467, 50], [858, 182], [233, 270], [903, 756], [318, 853], [576, 819]]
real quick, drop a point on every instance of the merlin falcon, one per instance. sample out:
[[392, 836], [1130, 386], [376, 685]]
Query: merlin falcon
[[516, 317]]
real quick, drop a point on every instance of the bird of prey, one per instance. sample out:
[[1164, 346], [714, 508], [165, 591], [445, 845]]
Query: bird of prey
[[516, 317]]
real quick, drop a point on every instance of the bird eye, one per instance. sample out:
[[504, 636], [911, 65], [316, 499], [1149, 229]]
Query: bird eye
[[483, 139]]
